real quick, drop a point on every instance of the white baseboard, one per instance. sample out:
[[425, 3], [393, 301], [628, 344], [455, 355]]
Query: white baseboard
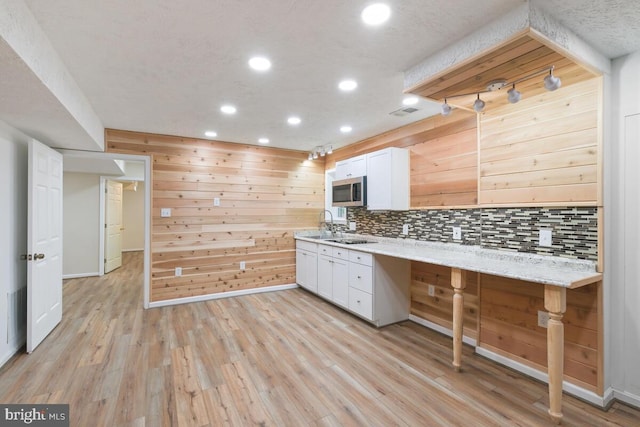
[[221, 295], [567, 387], [10, 353], [133, 250], [441, 329], [628, 398], [77, 275]]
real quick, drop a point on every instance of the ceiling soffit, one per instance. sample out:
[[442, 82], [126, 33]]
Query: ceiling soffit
[[514, 59]]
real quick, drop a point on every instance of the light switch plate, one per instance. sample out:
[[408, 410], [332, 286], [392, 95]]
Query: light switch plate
[[352, 226], [216, 201], [243, 265], [431, 290], [165, 212], [545, 237], [178, 272], [405, 229], [457, 233]]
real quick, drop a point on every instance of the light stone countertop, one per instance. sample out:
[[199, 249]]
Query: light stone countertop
[[544, 269]]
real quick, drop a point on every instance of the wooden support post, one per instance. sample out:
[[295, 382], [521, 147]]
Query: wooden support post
[[458, 282], [555, 302]]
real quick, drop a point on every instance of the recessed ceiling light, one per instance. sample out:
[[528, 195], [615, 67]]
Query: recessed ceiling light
[[346, 129], [293, 120], [263, 140], [376, 14], [410, 100], [228, 109], [259, 63], [348, 85], [211, 134]]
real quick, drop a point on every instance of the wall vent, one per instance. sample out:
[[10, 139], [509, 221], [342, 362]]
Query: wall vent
[[16, 315], [403, 111]]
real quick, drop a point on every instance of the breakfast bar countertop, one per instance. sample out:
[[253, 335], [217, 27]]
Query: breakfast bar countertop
[[543, 269]]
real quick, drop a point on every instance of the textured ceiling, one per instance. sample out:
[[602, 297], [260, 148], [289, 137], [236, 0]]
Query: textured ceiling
[[166, 66]]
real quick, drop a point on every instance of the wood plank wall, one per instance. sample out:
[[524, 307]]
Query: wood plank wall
[[509, 326], [438, 308], [444, 158], [544, 150], [265, 195]]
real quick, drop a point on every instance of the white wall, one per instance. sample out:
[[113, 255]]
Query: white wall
[[133, 218], [81, 229], [13, 227], [622, 229]]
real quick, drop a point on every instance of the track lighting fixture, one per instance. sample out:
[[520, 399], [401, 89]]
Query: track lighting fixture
[[513, 95], [551, 83], [478, 105], [445, 108], [320, 151]]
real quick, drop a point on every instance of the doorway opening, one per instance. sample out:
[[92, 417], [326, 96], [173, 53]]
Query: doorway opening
[[130, 170]]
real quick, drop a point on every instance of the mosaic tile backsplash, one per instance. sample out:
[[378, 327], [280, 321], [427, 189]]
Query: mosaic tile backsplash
[[575, 230]]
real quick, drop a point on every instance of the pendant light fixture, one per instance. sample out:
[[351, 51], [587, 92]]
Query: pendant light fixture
[[551, 83]]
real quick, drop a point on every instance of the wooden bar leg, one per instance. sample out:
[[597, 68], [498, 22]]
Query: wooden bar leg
[[458, 282], [555, 302]]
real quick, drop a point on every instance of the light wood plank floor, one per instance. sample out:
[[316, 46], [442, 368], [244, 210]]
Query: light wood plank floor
[[280, 358]]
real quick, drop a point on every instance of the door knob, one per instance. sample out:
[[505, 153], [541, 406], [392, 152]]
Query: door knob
[[38, 256]]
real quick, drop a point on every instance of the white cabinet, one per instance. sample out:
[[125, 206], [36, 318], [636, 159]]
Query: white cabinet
[[307, 265], [388, 179], [351, 168], [375, 288], [332, 275]]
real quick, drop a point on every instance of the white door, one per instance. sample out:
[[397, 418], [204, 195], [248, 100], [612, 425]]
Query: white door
[[44, 243], [113, 227]]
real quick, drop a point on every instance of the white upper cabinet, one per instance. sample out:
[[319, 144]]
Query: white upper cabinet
[[388, 179], [351, 168]]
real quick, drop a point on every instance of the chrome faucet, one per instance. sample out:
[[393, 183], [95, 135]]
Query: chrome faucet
[[324, 221]]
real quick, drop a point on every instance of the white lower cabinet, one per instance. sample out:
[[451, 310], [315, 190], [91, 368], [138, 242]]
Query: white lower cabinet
[[307, 265], [375, 288], [332, 277]]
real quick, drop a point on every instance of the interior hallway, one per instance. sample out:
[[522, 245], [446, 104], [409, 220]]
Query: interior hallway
[[279, 358]]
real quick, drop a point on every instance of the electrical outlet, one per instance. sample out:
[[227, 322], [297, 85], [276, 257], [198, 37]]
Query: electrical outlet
[[431, 290], [165, 212], [352, 226], [457, 233], [543, 318], [405, 229], [178, 272], [545, 237], [243, 265], [216, 201]]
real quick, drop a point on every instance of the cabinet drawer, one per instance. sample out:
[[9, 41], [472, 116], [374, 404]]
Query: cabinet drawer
[[340, 253], [361, 277], [361, 303], [307, 246], [361, 258], [325, 250]]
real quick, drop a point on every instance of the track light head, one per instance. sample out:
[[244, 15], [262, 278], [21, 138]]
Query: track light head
[[478, 105], [513, 95], [445, 109], [552, 82]]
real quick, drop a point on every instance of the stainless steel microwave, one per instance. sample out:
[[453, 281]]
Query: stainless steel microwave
[[349, 192]]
